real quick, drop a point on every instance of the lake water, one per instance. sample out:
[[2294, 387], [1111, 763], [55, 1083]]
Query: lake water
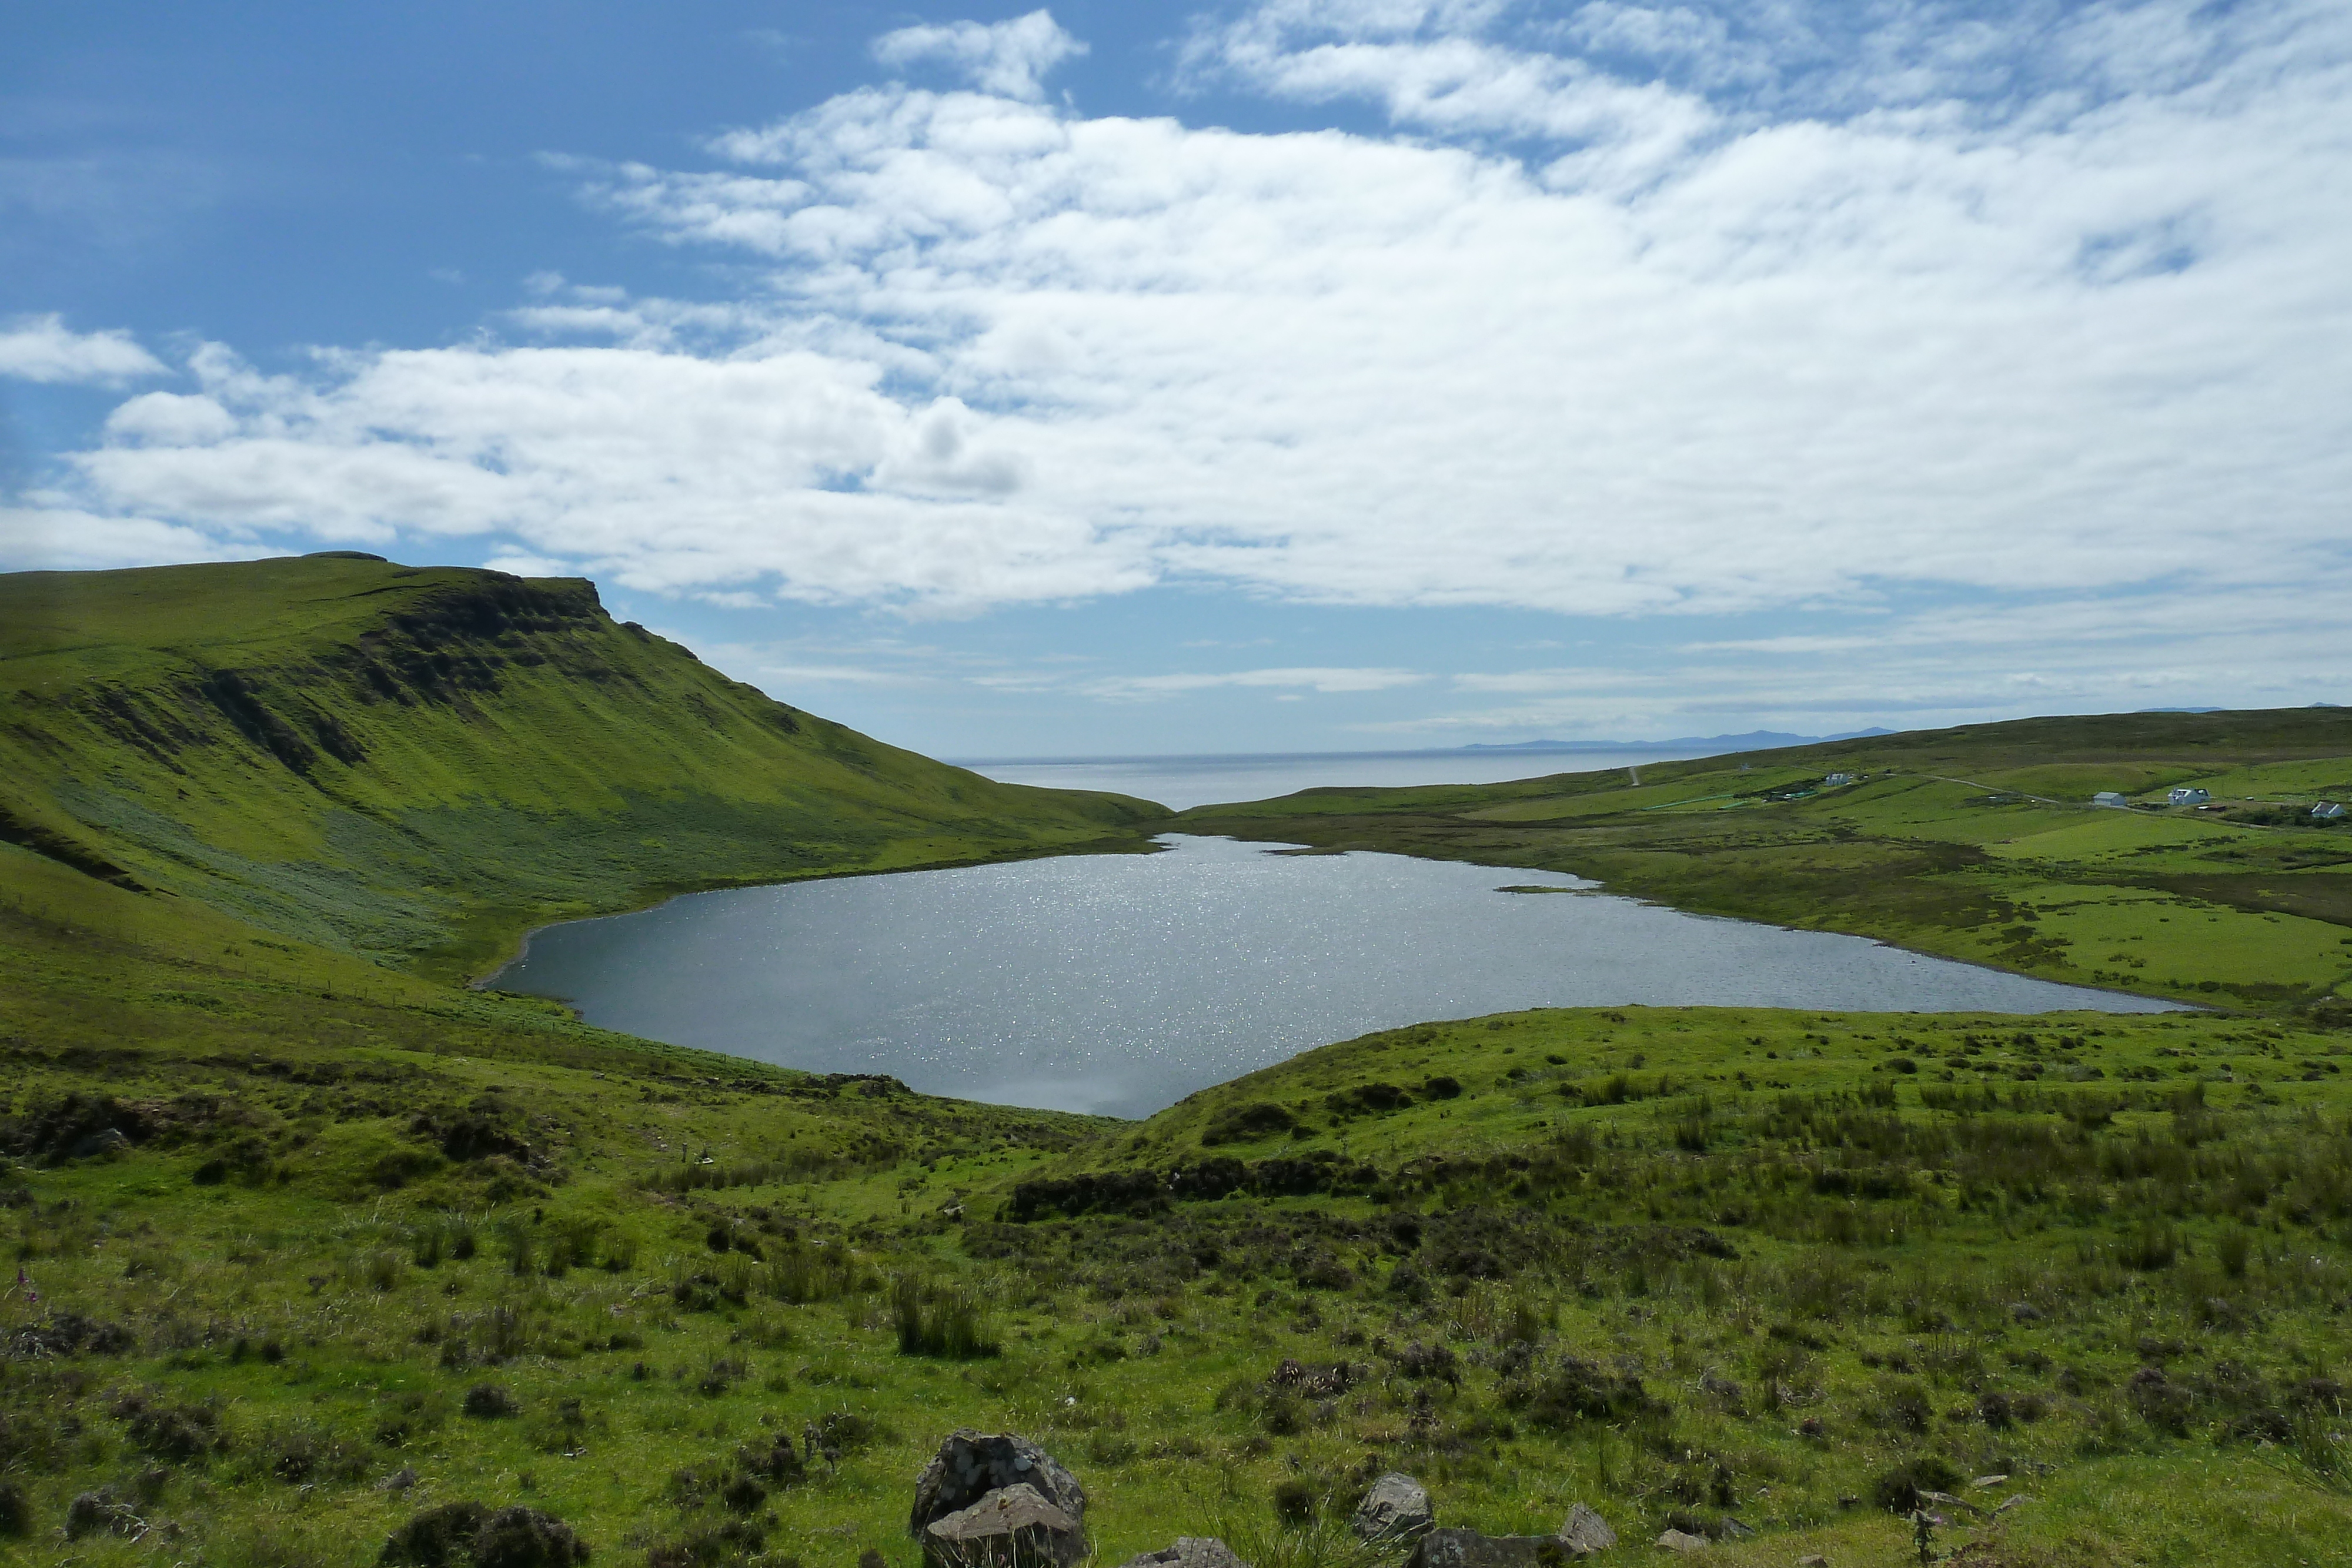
[[1120, 984], [1184, 782]]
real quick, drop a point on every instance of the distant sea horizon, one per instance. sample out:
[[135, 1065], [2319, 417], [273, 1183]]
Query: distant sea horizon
[[1182, 781]]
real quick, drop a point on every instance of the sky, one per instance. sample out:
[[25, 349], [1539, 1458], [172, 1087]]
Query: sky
[[1303, 375]]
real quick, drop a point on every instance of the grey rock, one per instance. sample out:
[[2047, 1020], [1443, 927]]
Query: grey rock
[[1190, 1552], [1011, 1525], [1469, 1549], [1683, 1541], [970, 1465], [1584, 1533], [400, 1479], [1735, 1528], [1396, 1508]]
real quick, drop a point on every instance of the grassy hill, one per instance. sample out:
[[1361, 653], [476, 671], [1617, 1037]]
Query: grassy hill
[[1978, 843], [416, 764], [315, 1240]]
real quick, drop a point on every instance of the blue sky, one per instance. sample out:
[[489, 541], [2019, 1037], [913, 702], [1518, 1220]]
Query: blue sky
[[1301, 375]]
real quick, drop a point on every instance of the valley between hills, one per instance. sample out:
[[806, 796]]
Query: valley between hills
[[314, 1237]]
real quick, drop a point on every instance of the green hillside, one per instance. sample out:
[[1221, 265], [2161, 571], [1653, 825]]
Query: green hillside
[[416, 764], [1978, 843], [316, 1242]]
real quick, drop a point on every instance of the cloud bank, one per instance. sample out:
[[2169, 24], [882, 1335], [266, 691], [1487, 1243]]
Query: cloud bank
[[1645, 309]]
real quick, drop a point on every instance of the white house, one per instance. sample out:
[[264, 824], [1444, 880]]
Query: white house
[[1839, 778], [2327, 810], [2185, 795], [2108, 797]]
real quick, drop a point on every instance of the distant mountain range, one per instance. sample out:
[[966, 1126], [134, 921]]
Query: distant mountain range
[[1754, 740]]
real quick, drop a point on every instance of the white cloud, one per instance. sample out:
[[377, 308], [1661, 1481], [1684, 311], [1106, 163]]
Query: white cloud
[[42, 348], [61, 537], [1009, 59], [1575, 339]]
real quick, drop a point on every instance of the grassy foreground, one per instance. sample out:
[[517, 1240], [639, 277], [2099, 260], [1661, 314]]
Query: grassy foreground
[[1688, 1266], [1978, 843]]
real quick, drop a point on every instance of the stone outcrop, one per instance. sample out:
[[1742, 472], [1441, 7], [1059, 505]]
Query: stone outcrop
[[1012, 1527], [1190, 1552], [1395, 1510], [1584, 1533], [1470, 1549], [1038, 1507]]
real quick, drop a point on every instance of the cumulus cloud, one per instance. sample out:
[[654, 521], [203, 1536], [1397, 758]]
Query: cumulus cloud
[[57, 537], [42, 348], [2056, 304], [1008, 59]]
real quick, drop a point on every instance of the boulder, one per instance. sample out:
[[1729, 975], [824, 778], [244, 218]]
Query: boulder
[[1011, 1525], [1395, 1509], [1682, 1541], [1469, 1549], [970, 1465], [1190, 1552], [1584, 1533]]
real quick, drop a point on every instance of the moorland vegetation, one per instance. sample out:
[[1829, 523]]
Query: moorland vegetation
[[327, 1260]]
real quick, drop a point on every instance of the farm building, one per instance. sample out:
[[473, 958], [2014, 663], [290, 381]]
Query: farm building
[[1839, 778], [2328, 810], [2188, 795], [2108, 797]]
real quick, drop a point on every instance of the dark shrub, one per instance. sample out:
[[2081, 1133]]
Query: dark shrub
[[2163, 1404], [1296, 1502], [15, 1512], [1897, 1490], [742, 1494], [730, 1543], [525, 1537], [92, 1512], [1575, 1391], [1995, 1410], [778, 1464], [1238, 1124], [438, 1538], [176, 1433], [299, 1454], [489, 1401], [1442, 1089]]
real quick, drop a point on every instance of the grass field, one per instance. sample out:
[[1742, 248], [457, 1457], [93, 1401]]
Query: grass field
[[314, 1242]]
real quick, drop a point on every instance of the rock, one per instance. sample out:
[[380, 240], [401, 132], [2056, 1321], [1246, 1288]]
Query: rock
[[1469, 1549], [970, 1465], [1010, 1525], [400, 1479], [1983, 1482], [2009, 1503], [1584, 1533], [1683, 1541], [1735, 1528], [1395, 1509], [1812, 1560], [1190, 1552]]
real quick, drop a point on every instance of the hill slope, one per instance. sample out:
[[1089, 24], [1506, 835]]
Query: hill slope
[[416, 764], [1978, 843]]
